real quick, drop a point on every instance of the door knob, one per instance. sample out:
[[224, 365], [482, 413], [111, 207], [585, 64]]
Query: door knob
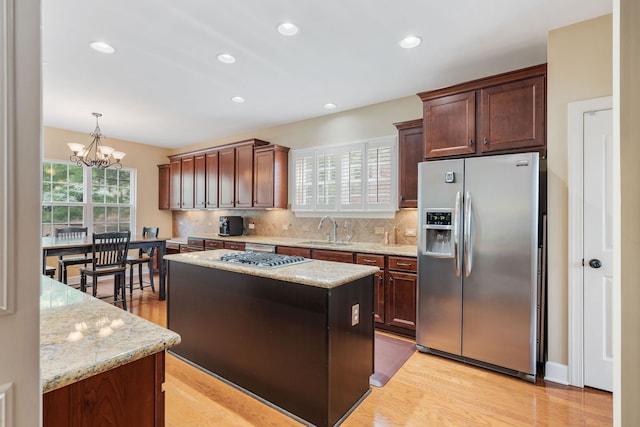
[[595, 263]]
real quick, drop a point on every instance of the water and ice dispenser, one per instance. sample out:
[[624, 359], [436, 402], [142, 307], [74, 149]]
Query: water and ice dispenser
[[439, 229]]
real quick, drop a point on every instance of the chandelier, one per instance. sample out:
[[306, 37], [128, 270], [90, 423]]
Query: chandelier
[[96, 154]]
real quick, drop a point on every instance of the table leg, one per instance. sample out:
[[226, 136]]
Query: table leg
[[161, 253]]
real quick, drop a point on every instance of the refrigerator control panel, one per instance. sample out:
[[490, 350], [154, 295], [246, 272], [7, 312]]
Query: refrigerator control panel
[[438, 218], [439, 228]]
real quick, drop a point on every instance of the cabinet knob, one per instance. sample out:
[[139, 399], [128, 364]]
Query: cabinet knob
[[470, 142], [485, 141]]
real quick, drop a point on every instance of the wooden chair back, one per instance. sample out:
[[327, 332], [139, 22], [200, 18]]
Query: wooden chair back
[[149, 232], [70, 232], [110, 249]]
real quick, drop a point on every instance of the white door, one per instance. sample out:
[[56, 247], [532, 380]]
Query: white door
[[598, 249]]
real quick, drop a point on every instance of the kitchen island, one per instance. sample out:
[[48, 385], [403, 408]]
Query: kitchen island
[[100, 365], [299, 337]]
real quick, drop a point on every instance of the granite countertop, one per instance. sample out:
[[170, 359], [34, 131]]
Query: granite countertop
[[372, 248], [81, 336], [324, 274]]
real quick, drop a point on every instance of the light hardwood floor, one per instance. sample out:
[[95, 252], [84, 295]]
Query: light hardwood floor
[[426, 391]]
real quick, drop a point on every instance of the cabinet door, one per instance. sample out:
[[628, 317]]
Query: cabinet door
[[512, 115], [211, 177], [380, 296], [411, 152], [244, 176], [401, 297], [175, 197], [449, 125], [226, 176], [199, 181], [187, 183], [164, 185], [263, 178]]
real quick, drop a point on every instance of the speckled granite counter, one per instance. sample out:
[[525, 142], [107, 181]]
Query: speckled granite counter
[[81, 336], [323, 274], [372, 248]]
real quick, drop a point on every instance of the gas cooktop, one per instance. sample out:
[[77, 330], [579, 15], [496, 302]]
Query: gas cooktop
[[262, 259]]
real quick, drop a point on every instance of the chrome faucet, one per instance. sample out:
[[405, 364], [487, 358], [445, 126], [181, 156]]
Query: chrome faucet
[[335, 226]]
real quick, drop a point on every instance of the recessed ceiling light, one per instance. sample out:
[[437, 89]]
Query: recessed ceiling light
[[410, 42], [237, 99], [102, 47], [330, 105], [226, 58], [288, 29]]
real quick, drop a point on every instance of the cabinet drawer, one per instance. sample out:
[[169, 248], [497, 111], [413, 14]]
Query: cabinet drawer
[[187, 248], [368, 259], [213, 244], [192, 241], [236, 246], [403, 264], [288, 250], [336, 256]]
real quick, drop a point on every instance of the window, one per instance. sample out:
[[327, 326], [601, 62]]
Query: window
[[101, 199], [350, 178]]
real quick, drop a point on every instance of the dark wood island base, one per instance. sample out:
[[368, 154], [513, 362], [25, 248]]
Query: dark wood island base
[[292, 345]]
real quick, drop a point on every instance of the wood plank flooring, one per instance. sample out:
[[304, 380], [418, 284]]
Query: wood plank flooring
[[427, 391]]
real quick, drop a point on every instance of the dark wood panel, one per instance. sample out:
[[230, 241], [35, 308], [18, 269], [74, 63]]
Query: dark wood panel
[[211, 174], [236, 246], [270, 177], [403, 264], [175, 197], [288, 250], [337, 256], [379, 307], [188, 170], [213, 244], [164, 183], [199, 186], [512, 115], [226, 176], [244, 176], [410, 153], [370, 259], [450, 125], [401, 308]]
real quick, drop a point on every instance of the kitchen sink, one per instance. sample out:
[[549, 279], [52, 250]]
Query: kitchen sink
[[325, 243]]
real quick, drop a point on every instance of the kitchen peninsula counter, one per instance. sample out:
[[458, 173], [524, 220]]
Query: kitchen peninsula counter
[[372, 248], [299, 337], [94, 355]]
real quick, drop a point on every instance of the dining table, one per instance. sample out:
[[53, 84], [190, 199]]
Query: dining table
[[59, 246]]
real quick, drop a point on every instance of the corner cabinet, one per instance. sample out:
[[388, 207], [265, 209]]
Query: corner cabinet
[[410, 153], [498, 114]]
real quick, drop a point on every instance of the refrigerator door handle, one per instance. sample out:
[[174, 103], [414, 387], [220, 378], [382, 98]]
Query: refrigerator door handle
[[468, 239], [456, 234]]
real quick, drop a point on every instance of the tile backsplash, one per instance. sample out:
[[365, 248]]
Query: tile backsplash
[[284, 223]]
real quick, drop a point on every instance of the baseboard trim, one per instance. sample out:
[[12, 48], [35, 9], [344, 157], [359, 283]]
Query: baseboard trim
[[557, 373]]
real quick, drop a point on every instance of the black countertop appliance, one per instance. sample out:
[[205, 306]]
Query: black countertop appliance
[[231, 226]]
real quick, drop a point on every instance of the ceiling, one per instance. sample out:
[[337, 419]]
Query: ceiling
[[164, 86]]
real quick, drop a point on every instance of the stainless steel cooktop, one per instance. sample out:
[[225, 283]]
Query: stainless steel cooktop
[[262, 259]]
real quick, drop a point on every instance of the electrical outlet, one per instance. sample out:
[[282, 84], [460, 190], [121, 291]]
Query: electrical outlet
[[379, 230], [411, 232], [252, 226], [285, 227], [355, 314]]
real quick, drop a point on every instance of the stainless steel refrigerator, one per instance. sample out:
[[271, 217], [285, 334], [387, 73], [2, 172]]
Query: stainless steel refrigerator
[[477, 261]]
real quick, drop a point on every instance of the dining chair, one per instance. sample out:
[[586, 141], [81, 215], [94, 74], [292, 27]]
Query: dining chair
[[64, 262], [50, 271], [145, 256], [109, 259]]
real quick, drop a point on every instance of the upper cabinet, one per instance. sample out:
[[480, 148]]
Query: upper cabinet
[[164, 177], [502, 113], [270, 170], [226, 177], [410, 153]]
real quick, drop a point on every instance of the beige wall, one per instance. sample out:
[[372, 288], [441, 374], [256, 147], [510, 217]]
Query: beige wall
[[627, 210], [348, 126], [579, 67], [143, 158]]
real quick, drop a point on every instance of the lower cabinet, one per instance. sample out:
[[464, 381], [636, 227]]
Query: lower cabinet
[[128, 395], [236, 246], [293, 251], [402, 280], [337, 256]]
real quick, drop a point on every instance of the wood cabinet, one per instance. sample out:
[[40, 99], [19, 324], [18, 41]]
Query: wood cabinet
[[211, 179], [199, 181], [379, 284], [288, 250], [236, 246], [226, 177], [410, 153], [164, 183], [402, 283], [213, 244], [270, 172], [175, 196], [244, 175], [187, 182], [327, 255], [498, 114], [130, 395]]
